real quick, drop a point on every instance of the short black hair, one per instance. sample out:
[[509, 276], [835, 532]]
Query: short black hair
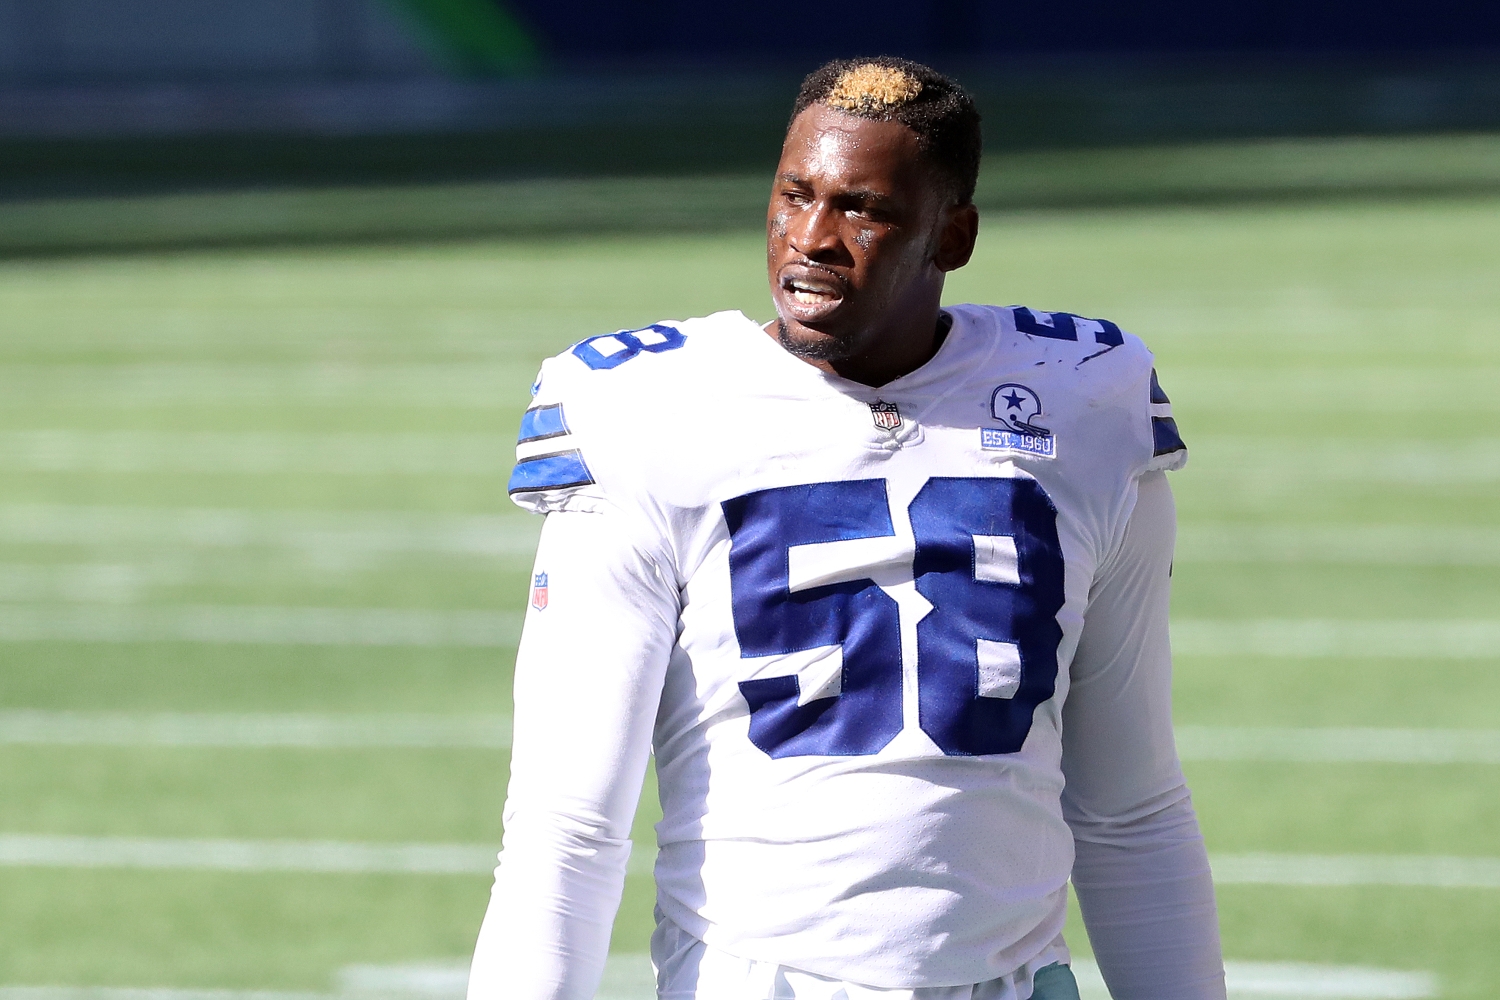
[[888, 88]]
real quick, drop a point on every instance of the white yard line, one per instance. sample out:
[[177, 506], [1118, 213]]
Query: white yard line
[[1415, 392], [373, 532], [1418, 640], [322, 732], [629, 977], [1339, 745], [489, 385], [256, 452], [147, 993], [1307, 979], [444, 978], [1275, 463], [62, 851], [1303, 980], [1420, 870], [25, 850], [43, 851], [314, 532], [87, 583], [259, 625], [1359, 545]]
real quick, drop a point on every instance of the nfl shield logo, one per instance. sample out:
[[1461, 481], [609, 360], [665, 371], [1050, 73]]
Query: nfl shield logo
[[887, 415], [539, 592]]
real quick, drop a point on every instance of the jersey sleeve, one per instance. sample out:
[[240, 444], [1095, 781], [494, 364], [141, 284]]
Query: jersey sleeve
[[1168, 452], [581, 444], [553, 470], [1140, 870], [589, 675]]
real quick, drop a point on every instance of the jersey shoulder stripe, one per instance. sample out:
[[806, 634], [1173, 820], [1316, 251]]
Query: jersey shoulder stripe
[[557, 471], [575, 397], [1164, 437], [1158, 395], [1169, 451], [547, 456], [542, 422]]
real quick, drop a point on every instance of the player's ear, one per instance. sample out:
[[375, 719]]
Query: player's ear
[[956, 240]]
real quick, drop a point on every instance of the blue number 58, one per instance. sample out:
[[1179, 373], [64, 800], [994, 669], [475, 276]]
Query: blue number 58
[[987, 559]]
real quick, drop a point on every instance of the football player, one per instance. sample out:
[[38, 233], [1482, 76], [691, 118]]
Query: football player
[[883, 586]]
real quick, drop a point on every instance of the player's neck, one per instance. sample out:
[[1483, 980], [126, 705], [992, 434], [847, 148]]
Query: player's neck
[[888, 355]]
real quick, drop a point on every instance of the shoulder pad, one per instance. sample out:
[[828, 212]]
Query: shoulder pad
[[1108, 363], [611, 350], [1106, 359], [1064, 326], [552, 470]]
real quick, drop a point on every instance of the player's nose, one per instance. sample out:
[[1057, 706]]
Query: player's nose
[[815, 234]]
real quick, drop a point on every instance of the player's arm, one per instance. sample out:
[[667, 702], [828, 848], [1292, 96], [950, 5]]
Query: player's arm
[[588, 679], [1141, 872]]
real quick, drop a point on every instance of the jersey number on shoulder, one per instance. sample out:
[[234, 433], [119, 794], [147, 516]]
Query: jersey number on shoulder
[[803, 564], [614, 349], [1065, 326]]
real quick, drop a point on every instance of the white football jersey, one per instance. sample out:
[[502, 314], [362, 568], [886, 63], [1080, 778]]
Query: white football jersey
[[863, 605]]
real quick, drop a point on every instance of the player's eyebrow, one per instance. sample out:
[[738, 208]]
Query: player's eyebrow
[[865, 195]]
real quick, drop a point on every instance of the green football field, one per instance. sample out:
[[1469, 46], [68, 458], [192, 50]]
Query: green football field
[[260, 584]]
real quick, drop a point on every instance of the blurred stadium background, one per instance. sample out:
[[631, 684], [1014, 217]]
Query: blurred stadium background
[[274, 277]]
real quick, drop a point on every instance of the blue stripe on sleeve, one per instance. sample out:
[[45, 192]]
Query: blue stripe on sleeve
[[542, 422], [1164, 432], [1157, 395], [550, 472]]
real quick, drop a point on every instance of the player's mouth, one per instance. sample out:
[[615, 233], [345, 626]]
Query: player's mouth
[[810, 295]]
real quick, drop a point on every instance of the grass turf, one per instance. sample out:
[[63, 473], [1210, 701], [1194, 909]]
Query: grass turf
[[1205, 173], [1304, 346]]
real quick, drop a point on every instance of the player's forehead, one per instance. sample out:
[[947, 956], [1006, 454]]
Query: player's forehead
[[828, 146]]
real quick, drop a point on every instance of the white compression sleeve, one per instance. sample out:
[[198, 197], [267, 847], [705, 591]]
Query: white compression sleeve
[[588, 680], [1141, 871]]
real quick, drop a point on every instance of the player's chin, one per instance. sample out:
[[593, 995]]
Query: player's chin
[[815, 345]]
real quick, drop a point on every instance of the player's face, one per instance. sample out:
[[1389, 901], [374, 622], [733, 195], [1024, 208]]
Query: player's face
[[855, 235]]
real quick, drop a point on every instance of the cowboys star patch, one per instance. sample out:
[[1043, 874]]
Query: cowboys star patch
[[1017, 407]]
